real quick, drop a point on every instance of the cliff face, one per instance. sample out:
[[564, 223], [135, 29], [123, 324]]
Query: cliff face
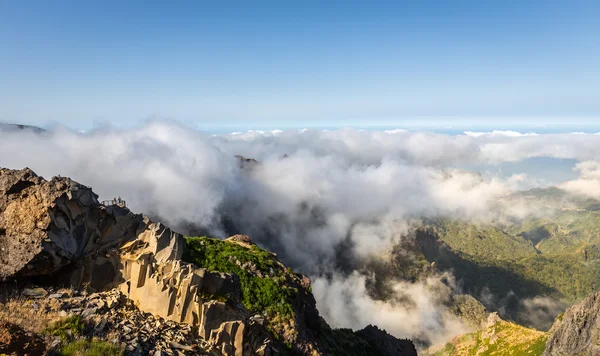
[[577, 331], [58, 231], [47, 225]]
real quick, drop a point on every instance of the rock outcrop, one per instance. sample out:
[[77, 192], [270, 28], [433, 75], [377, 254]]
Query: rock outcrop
[[386, 344], [57, 233], [48, 225], [57, 229], [577, 331]]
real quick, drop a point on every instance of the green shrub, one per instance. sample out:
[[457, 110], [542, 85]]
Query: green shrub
[[268, 294], [85, 347], [69, 327]]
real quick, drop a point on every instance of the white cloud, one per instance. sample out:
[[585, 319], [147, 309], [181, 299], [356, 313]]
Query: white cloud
[[344, 301], [498, 133], [588, 182], [364, 187]]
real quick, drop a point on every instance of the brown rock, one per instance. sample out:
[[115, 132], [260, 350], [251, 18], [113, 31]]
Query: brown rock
[[47, 225], [16, 341]]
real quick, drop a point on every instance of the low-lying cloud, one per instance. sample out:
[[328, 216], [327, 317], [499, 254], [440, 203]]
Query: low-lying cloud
[[310, 193], [422, 317]]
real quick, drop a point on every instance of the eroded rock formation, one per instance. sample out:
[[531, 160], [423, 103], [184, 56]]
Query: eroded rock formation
[[48, 225], [58, 229], [60, 234]]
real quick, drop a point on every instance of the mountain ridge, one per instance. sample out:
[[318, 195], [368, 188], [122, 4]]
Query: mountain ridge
[[57, 233]]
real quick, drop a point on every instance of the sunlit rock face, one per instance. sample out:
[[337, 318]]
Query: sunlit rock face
[[48, 225], [58, 233], [58, 230]]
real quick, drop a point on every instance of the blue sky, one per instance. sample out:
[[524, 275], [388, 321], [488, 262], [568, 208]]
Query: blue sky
[[283, 64]]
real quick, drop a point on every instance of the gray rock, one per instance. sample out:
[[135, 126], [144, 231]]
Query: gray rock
[[577, 332], [178, 346], [34, 292], [88, 312], [100, 326]]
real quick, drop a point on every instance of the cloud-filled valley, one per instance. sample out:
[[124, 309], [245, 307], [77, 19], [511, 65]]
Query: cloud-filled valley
[[323, 200]]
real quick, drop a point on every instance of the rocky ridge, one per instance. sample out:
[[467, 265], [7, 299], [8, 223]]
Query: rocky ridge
[[111, 316], [577, 331], [57, 233]]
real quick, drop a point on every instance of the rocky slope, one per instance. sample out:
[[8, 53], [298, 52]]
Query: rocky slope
[[496, 337], [56, 233], [577, 331]]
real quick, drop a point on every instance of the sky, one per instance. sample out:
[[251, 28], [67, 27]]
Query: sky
[[241, 64]]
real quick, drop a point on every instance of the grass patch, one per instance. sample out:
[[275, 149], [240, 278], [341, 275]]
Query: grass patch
[[510, 340], [67, 328], [85, 347], [268, 294]]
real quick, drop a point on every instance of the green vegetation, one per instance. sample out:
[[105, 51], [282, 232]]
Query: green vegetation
[[501, 339], [83, 347], [345, 342], [568, 231], [269, 294], [565, 264], [482, 242], [67, 328]]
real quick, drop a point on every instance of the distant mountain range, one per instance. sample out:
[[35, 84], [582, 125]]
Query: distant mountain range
[[18, 127]]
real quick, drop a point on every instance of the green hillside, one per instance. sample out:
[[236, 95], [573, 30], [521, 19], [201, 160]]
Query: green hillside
[[500, 338], [565, 263]]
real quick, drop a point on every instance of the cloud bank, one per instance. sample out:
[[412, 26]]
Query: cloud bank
[[313, 197]]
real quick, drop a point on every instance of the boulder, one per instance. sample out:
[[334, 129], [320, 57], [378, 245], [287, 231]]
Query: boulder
[[48, 225]]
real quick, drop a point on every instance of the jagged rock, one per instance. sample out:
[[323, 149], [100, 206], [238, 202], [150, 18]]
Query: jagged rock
[[243, 240], [385, 343], [238, 338], [48, 225], [577, 332], [58, 230], [246, 163]]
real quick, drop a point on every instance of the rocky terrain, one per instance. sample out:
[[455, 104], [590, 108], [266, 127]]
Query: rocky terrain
[[134, 286], [577, 331], [495, 337]]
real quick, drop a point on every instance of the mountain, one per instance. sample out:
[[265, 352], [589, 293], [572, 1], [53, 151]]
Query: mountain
[[94, 268], [18, 127], [528, 270], [503, 265], [496, 337], [576, 332]]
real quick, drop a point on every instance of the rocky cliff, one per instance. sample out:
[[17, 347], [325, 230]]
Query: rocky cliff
[[577, 331], [56, 233]]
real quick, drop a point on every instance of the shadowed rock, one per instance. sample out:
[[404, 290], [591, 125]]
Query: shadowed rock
[[16, 341], [577, 332], [59, 230]]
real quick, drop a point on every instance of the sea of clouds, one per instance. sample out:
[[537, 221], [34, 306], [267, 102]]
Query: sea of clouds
[[311, 192]]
